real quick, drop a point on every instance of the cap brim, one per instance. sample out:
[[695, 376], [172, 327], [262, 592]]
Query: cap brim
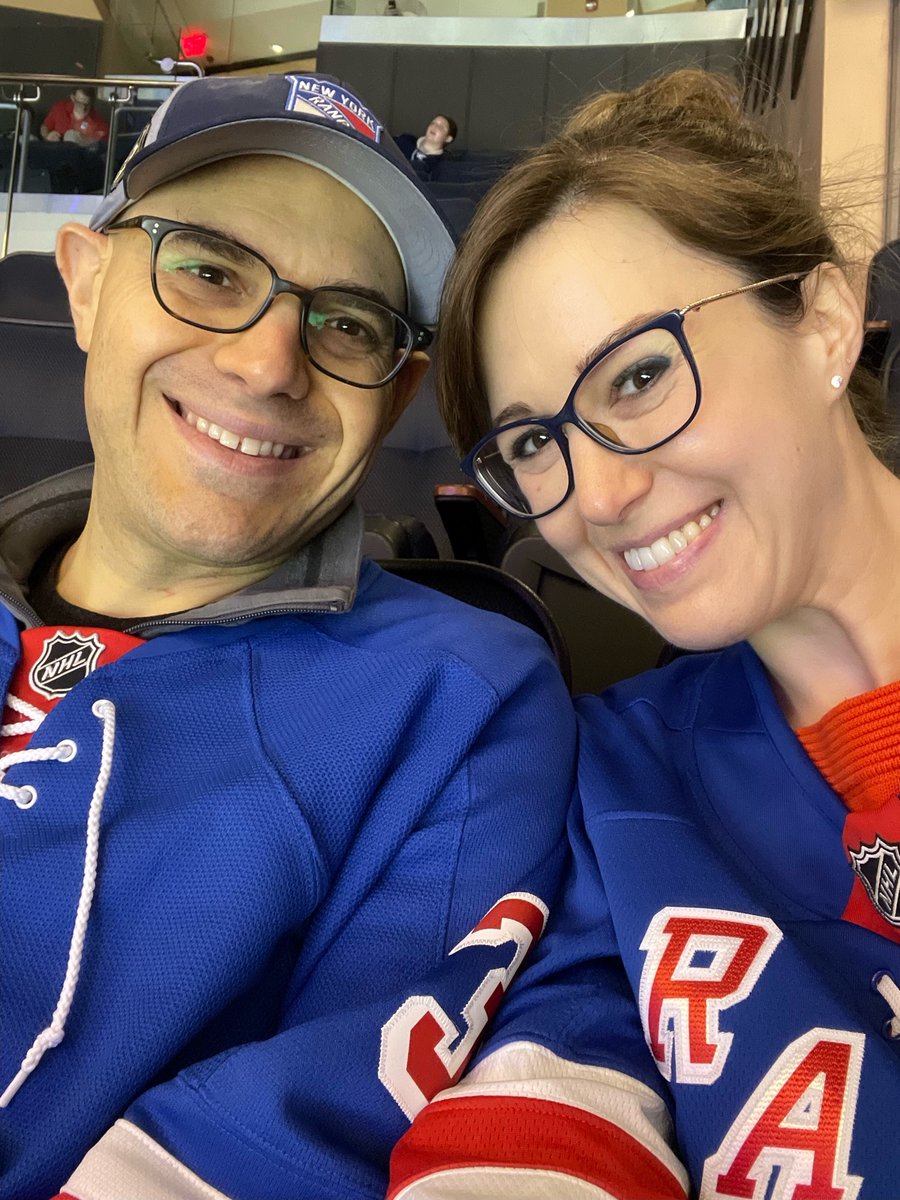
[[423, 240]]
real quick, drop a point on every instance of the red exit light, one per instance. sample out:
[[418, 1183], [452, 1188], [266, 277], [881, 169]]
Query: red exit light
[[193, 43]]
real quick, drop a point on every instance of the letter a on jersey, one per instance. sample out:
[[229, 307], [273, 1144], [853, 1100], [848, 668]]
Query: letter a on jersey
[[699, 962], [791, 1140]]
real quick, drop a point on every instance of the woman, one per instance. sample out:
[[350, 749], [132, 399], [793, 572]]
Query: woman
[[649, 346]]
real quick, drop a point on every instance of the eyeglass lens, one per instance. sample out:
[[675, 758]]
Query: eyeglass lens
[[219, 285], [635, 397]]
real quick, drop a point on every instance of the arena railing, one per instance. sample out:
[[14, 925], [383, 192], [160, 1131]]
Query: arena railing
[[19, 91]]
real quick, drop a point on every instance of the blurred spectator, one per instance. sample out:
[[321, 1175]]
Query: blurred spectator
[[75, 120], [426, 152]]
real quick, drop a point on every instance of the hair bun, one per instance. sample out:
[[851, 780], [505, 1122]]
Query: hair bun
[[688, 95]]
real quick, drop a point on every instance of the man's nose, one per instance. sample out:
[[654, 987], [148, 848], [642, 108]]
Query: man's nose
[[607, 484], [268, 357]]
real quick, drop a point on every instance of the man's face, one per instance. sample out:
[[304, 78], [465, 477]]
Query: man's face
[[438, 131], [157, 389], [81, 100]]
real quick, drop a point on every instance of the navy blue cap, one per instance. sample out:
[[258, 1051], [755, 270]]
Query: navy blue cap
[[313, 119]]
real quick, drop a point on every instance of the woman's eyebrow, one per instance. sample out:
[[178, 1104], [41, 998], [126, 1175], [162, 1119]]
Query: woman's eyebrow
[[512, 412], [612, 337]]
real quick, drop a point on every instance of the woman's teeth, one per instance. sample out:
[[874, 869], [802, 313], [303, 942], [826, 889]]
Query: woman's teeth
[[234, 441], [664, 549]]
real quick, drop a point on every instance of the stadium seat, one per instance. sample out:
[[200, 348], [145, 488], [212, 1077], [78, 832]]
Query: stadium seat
[[606, 641], [882, 351], [487, 587], [387, 537], [42, 424]]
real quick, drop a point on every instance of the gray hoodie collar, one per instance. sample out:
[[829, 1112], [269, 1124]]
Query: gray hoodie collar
[[321, 577]]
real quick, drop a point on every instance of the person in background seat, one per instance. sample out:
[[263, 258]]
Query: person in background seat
[[75, 120], [427, 152], [649, 345], [267, 813]]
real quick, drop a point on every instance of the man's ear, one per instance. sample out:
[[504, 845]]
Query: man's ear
[[834, 314], [447, 141], [405, 386], [81, 256]]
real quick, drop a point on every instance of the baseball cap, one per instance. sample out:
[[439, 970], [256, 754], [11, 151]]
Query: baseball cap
[[314, 119]]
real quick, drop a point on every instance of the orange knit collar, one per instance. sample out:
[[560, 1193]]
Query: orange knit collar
[[856, 746]]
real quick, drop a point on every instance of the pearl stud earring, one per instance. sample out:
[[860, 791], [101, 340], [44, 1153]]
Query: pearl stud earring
[[837, 380]]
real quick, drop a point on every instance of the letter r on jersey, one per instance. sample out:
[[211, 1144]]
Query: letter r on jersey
[[699, 962]]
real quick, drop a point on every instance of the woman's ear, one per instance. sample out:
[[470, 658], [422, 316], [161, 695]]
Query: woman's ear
[[833, 312], [81, 256]]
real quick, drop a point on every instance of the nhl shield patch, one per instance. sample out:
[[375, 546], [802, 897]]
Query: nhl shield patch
[[877, 866], [66, 659]]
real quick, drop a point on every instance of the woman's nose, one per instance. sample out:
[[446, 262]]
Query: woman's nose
[[607, 484]]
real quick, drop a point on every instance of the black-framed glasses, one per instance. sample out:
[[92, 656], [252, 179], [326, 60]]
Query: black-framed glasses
[[634, 396], [220, 285]]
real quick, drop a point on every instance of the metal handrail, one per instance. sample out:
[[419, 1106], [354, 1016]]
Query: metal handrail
[[93, 80], [19, 156]]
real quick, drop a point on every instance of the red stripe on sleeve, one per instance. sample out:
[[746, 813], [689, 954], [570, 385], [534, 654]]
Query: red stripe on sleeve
[[64, 1196], [490, 1131]]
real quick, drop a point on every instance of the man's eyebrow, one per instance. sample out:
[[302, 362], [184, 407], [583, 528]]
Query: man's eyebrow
[[230, 247], [361, 289], [612, 337], [241, 255]]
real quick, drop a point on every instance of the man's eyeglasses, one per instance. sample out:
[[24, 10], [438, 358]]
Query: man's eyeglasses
[[223, 286], [632, 397]]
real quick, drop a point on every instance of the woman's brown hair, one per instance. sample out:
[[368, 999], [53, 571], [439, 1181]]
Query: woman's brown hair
[[680, 149]]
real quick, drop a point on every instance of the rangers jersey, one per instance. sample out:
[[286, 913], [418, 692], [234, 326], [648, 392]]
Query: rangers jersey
[[712, 1015], [237, 843]]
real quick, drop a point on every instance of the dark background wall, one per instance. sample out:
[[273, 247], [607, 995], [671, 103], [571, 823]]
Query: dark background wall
[[47, 44], [503, 97]]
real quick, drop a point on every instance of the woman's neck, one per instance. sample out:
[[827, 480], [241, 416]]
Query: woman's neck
[[846, 639]]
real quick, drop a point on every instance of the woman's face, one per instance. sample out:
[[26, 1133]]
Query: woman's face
[[724, 529]]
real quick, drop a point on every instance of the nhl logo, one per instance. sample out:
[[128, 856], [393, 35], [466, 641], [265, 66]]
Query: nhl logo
[[878, 866], [65, 660]]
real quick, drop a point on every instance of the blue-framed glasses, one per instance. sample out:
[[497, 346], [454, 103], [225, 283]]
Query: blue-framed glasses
[[223, 286], [633, 397]]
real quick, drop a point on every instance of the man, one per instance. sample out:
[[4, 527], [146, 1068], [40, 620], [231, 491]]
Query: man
[[75, 120], [426, 152], [277, 829]]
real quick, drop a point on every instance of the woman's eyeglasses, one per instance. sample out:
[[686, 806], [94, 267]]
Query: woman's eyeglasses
[[634, 396]]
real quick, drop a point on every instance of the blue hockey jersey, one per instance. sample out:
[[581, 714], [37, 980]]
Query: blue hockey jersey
[[702, 1020], [231, 857]]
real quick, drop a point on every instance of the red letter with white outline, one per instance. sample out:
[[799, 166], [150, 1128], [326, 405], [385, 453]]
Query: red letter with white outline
[[800, 1120], [416, 1060], [690, 996]]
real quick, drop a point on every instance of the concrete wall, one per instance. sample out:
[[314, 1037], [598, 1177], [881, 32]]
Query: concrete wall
[[838, 121]]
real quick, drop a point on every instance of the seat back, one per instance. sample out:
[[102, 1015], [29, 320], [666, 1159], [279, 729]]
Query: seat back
[[489, 588], [606, 642], [396, 537], [883, 343], [42, 424]]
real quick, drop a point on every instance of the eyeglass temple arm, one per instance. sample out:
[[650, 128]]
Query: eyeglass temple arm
[[748, 287]]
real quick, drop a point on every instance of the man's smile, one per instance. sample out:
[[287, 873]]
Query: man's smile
[[230, 440]]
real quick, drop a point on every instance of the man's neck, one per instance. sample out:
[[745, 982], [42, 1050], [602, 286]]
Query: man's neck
[[118, 579], [428, 147]]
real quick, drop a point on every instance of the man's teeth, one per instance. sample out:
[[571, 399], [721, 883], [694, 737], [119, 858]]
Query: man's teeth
[[234, 441], [664, 549]]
